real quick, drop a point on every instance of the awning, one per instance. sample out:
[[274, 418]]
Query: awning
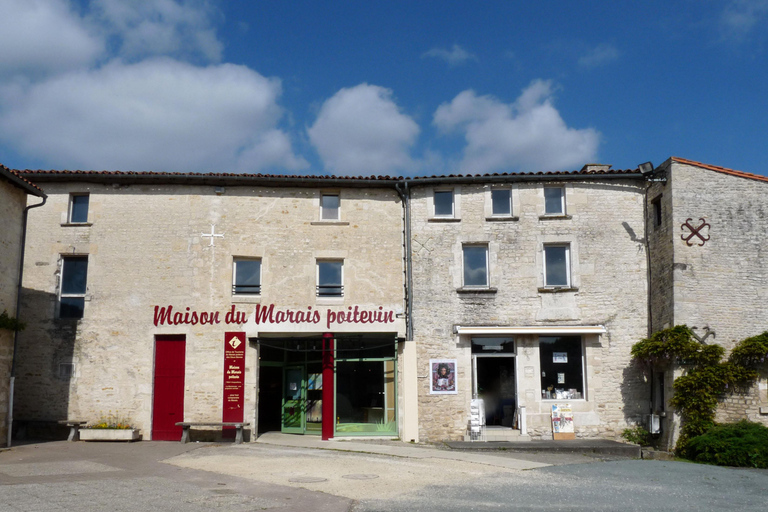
[[535, 329]]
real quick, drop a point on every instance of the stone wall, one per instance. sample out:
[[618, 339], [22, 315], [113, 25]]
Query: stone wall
[[605, 229], [12, 203], [146, 249]]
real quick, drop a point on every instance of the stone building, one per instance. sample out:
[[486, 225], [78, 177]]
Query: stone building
[[159, 298], [708, 248], [14, 190], [532, 288]]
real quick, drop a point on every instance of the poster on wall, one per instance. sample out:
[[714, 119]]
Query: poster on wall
[[442, 376], [234, 375], [562, 422]]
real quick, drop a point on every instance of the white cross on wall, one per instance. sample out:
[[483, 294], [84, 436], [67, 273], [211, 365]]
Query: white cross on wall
[[212, 234]]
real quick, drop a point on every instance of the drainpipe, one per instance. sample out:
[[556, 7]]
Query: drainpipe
[[18, 308], [405, 196]]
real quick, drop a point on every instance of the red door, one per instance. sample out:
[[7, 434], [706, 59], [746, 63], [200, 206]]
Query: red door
[[168, 406]]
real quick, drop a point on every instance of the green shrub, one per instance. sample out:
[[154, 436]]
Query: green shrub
[[742, 444], [637, 435]]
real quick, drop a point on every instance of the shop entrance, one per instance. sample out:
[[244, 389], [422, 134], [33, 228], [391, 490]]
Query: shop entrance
[[494, 379], [363, 386]]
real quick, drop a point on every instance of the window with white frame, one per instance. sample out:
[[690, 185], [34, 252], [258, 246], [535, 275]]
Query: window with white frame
[[562, 367], [554, 200], [329, 207], [246, 276], [444, 203], [330, 278], [557, 265], [78, 208], [501, 202], [475, 266], [74, 278]]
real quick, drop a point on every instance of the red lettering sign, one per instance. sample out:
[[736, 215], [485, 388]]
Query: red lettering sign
[[234, 376]]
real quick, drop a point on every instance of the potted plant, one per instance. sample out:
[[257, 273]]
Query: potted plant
[[110, 428]]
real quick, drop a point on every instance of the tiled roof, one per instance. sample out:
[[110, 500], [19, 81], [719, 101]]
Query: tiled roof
[[44, 173], [723, 170], [594, 172], [20, 181]]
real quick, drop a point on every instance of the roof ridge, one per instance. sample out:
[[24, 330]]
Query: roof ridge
[[723, 170]]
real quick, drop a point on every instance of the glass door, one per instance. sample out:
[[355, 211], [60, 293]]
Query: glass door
[[494, 379], [294, 400]]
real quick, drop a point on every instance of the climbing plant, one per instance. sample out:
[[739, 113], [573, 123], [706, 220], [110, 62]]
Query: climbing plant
[[708, 376], [10, 323]]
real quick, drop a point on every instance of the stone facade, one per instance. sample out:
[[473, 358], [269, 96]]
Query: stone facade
[[148, 245], [604, 227], [709, 264], [13, 200]]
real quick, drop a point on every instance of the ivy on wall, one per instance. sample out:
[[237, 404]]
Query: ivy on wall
[[10, 323], [708, 376]]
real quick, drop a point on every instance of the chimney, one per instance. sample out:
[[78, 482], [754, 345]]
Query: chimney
[[595, 167]]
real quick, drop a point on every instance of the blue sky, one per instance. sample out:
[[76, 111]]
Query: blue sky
[[381, 88]]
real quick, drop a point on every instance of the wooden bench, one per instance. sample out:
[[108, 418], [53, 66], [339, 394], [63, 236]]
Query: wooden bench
[[186, 425], [74, 428]]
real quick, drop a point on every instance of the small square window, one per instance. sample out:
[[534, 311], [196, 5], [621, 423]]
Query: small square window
[[78, 208], [329, 207], [475, 265], [554, 201], [330, 278], [443, 203], [501, 199], [246, 277], [557, 265], [74, 275]]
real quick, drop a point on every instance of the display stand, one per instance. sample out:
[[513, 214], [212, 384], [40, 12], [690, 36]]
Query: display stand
[[477, 420], [562, 422]]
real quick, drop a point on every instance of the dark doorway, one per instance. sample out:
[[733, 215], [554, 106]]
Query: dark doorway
[[496, 386], [270, 398]]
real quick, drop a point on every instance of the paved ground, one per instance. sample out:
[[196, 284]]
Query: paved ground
[[303, 473]]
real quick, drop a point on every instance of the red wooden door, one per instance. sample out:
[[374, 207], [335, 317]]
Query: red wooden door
[[168, 405]]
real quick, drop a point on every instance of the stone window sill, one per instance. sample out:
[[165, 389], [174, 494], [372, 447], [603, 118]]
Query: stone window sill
[[76, 224], [502, 218], [246, 299], [443, 219], [557, 289], [330, 223], [555, 217], [477, 290]]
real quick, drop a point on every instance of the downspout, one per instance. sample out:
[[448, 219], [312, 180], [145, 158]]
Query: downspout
[[18, 308], [405, 198]]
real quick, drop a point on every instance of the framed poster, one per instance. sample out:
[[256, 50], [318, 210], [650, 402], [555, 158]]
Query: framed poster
[[559, 357], [442, 376]]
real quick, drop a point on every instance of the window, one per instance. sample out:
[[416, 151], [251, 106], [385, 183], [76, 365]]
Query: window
[[246, 277], [329, 279], [562, 369], [557, 265], [554, 201], [329, 207], [78, 208], [476, 265], [656, 211], [443, 203], [74, 273], [501, 199]]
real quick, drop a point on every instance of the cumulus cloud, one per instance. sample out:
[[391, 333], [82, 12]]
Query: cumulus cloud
[[159, 114], [527, 135], [740, 17], [140, 28], [598, 56], [454, 57], [361, 131], [40, 37]]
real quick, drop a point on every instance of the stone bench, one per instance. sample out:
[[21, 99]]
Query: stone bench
[[186, 425], [74, 428]]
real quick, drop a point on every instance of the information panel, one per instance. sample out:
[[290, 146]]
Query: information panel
[[234, 376]]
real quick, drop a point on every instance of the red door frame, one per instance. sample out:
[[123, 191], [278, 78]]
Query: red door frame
[[328, 392], [168, 387]]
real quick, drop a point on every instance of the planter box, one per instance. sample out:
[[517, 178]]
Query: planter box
[[109, 434]]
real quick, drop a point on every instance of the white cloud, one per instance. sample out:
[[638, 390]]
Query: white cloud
[[361, 131], [159, 114], [599, 55], [454, 57], [528, 135], [740, 17], [39, 37], [180, 28]]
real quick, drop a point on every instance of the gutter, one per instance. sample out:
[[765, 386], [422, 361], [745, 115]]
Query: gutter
[[18, 308]]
